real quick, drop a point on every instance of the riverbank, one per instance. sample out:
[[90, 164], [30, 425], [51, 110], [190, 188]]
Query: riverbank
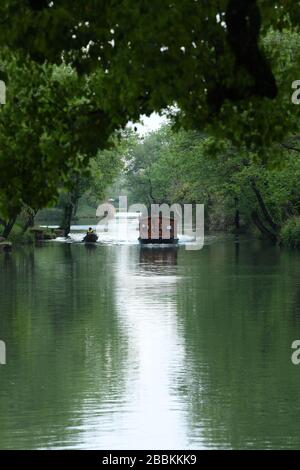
[[123, 231], [32, 235], [5, 245]]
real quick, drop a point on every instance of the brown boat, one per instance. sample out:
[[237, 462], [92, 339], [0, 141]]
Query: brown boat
[[158, 230]]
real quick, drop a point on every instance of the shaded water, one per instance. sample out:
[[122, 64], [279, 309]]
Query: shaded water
[[123, 347]]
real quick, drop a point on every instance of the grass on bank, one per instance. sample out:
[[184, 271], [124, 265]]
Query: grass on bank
[[290, 233]]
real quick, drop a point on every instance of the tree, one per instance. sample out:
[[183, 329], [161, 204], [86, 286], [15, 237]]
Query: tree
[[238, 190], [206, 57], [134, 58], [100, 173], [48, 131]]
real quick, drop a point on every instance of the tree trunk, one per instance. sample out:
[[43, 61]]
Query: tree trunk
[[152, 198], [263, 207], [8, 227], [30, 221], [237, 216], [262, 228], [71, 207], [237, 220], [67, 218]]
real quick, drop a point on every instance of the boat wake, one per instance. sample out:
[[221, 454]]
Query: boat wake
[[122, 230]]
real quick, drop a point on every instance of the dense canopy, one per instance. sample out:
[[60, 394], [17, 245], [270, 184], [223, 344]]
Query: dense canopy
[[77, 72], [194, 53]]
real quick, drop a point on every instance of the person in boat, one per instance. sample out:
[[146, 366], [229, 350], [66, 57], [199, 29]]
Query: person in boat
[[90, 236]]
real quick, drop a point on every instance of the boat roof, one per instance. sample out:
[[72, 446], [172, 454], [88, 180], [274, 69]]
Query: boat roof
[[160, 216]]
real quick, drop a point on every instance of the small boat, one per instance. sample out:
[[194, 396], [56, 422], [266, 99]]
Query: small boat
[[158, 230], [90, 238]]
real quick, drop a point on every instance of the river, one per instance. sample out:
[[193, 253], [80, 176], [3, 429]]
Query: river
[[122, 347]]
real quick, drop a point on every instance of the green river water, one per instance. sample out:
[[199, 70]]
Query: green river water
[[119, 347]]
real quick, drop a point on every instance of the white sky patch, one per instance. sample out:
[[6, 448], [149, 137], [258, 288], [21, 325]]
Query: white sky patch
[[148, 124]]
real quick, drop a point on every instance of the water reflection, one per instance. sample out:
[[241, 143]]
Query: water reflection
[[125, 347], [65, 351], [239, 321], [146, 300], [158, 259]]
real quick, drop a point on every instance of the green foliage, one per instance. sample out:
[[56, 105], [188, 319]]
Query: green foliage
[[290, 233], [49, 129], [190, 167], [99, 173], [217, 60], [77, 72], [19, 237]]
